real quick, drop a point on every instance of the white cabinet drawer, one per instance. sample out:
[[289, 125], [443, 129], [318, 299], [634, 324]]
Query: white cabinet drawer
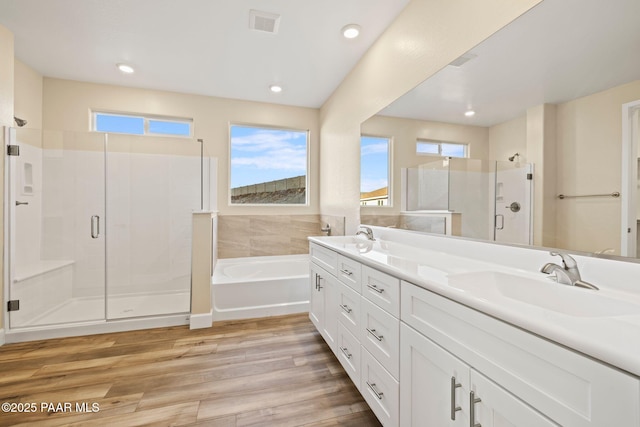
[[349, 272], [380, 390], [382, 289], [325, 258], [349, 308], [380, 334], [348, 352]]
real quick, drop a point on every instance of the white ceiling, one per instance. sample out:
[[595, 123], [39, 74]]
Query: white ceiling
[[199, 46], [558, 51]]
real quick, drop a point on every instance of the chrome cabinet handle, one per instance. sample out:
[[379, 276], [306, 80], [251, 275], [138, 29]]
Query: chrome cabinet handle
[[346, 352], [21, 203], [454, 408], [95, 226], [346, 308], [378, 394], [472, 409], [375, 288], [318, 278], [373, 332], [346, 272]]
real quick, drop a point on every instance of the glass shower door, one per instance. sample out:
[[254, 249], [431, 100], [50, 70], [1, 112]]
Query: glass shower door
[[513, 203], [153, 186], [56, 222]]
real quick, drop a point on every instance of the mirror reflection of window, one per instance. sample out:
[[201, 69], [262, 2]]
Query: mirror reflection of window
[[440, 148], [375, 171]]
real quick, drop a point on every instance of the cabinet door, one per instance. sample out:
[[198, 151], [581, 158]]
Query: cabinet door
[[328, 285], [498, 408], [316, 306], [433, 383]]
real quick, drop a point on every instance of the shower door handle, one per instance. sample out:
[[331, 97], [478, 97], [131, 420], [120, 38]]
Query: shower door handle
[[95, 226], [501, 217], [21, 203]]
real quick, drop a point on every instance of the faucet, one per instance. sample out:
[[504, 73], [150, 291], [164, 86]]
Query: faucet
[[568, 274], [367, 232]]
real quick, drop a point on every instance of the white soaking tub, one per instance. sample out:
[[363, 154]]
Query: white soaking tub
[[245, 288]]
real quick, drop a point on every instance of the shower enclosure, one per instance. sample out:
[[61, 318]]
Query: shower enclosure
[[489, 200], [99, 226]]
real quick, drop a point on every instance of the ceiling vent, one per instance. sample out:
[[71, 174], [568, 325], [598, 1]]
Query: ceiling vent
[[459, 62], [264, 21]]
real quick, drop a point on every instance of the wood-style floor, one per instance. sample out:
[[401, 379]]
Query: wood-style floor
[[273, 372]]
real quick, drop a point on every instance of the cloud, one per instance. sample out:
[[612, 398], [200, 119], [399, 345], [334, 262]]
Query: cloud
[[270, 149], [377, 148]]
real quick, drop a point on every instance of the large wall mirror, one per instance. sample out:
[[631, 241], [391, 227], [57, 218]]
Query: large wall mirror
[[550, 157]]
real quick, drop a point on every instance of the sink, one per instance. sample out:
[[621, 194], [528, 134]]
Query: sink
[[541, 292]]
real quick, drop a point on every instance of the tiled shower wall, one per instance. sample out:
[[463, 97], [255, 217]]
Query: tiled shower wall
[[265, 235]]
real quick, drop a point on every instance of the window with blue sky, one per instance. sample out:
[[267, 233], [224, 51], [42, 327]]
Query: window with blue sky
[[439, 148], [276, 158], [141, 125], [374, 170]]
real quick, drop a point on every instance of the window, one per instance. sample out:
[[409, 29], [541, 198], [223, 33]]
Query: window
[[268, 166], [440, 148], [374, 171], [142, 125]]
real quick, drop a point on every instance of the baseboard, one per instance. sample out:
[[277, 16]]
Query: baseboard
[[202, 320], [2, 337]]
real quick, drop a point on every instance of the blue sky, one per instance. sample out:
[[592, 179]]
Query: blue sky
[[374, 163], [261, 155]]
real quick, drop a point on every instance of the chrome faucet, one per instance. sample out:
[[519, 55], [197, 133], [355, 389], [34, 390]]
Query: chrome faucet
[[568, 274], [367, 232]]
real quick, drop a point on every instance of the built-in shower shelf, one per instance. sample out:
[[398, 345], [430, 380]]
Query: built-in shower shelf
[[39, 268]]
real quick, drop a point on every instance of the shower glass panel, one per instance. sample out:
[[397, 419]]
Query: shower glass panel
[[56, 239], [469, 195], [513, 202], [153, 186]]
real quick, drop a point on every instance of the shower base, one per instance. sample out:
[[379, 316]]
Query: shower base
[[118, 307]]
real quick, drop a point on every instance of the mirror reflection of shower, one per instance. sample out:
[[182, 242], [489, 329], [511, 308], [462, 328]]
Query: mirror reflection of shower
[[515, 157]]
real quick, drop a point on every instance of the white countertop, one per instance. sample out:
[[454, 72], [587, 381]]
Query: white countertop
[[603, 324]]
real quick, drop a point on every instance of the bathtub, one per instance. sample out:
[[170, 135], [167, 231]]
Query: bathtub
[[245, 288]]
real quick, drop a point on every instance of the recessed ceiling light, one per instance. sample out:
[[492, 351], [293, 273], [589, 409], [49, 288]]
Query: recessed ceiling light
[[275, 88], [127, 69], [351, 31], [470, 113]]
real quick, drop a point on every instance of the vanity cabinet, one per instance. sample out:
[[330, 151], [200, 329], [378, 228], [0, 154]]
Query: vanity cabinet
[[520, 378], [420, 359]]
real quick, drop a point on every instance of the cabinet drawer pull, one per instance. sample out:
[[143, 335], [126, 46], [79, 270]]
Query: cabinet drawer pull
[[375, 288], [373, 389], [472, 409], [373, 332], [346, 272], [346, 308], [318, 278], [454, 408], [346, 352]]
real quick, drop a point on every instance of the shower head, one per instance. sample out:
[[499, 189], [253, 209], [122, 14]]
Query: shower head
[[20, 122], [512, 158]]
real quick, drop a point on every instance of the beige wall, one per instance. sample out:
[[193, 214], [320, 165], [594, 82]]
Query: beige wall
[[508, 138], [427, 35], [404, 133], [589, 132], [28, 95], [6, 119], [67, 106]]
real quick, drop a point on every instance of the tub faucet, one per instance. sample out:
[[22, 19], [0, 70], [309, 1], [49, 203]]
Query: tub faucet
[[367, 232], [568, 274]]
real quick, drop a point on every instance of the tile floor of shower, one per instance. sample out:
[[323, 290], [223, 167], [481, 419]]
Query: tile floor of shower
[[84, 309]]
